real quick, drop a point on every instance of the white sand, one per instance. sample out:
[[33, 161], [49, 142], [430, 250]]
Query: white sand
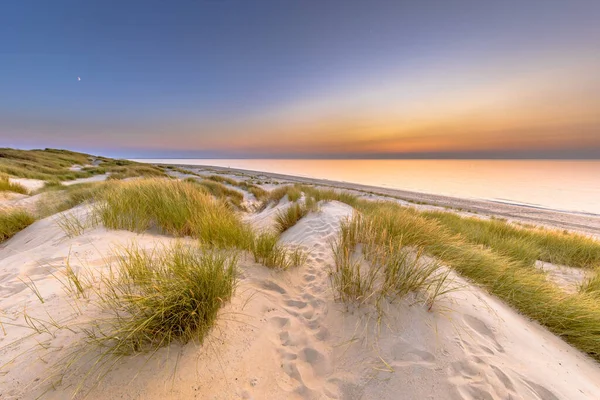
[[30, 184], [283, 336], [567, 278]]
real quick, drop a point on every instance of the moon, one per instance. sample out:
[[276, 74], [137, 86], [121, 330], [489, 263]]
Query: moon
[[78, 78]]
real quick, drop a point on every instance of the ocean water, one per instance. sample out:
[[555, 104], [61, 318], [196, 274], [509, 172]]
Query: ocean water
[[561, 185]]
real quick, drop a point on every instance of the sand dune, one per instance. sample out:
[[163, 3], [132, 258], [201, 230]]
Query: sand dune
[[283, 335]]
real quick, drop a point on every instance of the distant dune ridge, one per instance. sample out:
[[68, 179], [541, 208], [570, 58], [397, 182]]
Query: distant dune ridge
[[127, 280]]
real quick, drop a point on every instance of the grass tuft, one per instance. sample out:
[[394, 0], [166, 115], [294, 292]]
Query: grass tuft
[[13, 221], [173, 207], [267, 251], [385, 269], [169, 294], [7, 186], [287, 218]]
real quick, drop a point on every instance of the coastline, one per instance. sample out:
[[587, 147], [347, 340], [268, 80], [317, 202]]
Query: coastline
[[581, 222]]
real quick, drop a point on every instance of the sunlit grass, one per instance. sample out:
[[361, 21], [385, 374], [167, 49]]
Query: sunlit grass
[[574, 317], [7, 186], [524, 244], [13, 221], [173, 207], [386, 269], [52, 164], [288, 217], [267, 251], [60, 198], [221, 191], [171, 293]]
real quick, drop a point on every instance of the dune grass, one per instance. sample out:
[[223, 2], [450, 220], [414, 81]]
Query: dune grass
[[146, 301], [258, 192], [173, 207], [223, 179], [53, 164], [287, 218], [267, 251], [234, 197], [60, 198], [523, 244], [13, 221], [7, 186], [573, 317], [320, 194], [591, 285], [292, 192], [386, 270], [171, 293]]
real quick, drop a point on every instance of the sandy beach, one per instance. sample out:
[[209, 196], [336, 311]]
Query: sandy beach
[[580, 222], [284, 333]]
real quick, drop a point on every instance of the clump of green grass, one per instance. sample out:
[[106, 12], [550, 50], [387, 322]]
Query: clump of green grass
[[223, 179], [52, 164], [523, 244], [319, 194], [171, 293], [287, 218], [390, 270], [275, 195], [222, 192], [591, 285], [267, 251], [60, 198], [259, 193], [573, 317], [8, 186], [13, 221], [174, 207]]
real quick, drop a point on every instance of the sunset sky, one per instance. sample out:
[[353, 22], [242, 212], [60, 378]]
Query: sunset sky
[[302, 78]]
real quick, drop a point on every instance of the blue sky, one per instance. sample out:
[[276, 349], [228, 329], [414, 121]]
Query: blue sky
[[302, 78]]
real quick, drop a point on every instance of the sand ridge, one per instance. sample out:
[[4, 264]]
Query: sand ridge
[[284, 336]]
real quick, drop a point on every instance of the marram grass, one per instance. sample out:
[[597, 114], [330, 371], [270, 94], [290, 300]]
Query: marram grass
[[287, 218], [13, 221], [7, 186], [173, 207], [157, 297], [267, 251], [573, 317], [522, 244]]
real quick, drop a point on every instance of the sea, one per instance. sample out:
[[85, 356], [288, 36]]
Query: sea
[[565, 185]]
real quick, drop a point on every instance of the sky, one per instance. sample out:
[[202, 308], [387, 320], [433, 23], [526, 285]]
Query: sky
[[302, 78]]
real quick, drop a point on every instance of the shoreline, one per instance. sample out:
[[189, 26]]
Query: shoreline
[[582, 222]]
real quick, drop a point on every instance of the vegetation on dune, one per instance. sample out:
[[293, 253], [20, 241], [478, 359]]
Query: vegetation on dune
[[391, 270], [591, 285], [220, 191], [267, 251], [7, 186], [171, 293], [223, 179], [287, 218], [13, 221], [175, 207], [294, 192], [54, 165], [59, 198], [521, 244], [147, 300], [574, 317]]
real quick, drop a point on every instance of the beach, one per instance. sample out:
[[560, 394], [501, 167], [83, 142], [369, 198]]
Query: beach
[[578, 221], [288, 330]]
